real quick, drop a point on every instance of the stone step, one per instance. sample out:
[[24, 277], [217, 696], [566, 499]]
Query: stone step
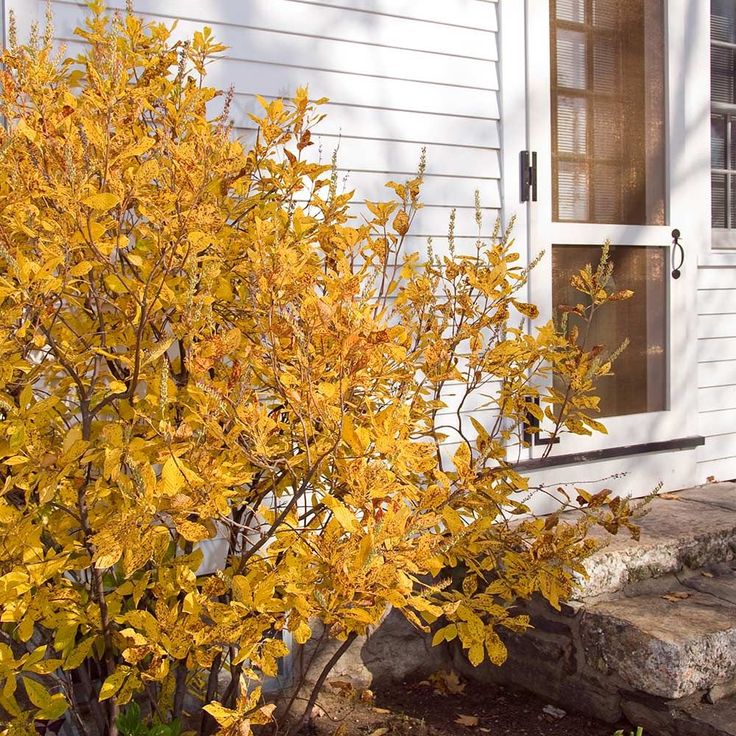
[[688, 529], [707, 719], [670, 643], [689, 717]]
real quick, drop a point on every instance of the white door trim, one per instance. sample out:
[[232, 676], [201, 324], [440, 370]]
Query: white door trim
[[681, 418]]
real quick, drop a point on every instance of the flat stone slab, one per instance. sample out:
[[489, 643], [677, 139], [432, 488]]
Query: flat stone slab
[[703, 719], [718, 581], [691, 528], [668, 645]]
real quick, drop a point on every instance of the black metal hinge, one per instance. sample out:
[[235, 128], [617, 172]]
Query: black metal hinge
[[528, 164]]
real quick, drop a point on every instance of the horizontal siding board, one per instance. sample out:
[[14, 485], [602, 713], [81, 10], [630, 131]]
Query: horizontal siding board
[[718, 301], [717, 373], [399, 157], [476, 404], [350, 89], [289, 17], [718, 447], [463, 13], [439, 191], [716, 470], [720, 421], [433, 221], [716, 397], [373, 122], [714, 349], [722, 277], [716, 325]]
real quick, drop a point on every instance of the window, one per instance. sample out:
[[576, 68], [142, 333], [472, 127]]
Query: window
[[608, 111], [639, 380], [608, 166], [723, 120]]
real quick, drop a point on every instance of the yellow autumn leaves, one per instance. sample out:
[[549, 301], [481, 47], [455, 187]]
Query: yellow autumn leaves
[[224, 401]]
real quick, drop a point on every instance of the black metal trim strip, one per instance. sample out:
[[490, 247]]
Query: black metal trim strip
[[576, 458]]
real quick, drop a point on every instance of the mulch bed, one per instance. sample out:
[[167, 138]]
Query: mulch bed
[[428, 709]]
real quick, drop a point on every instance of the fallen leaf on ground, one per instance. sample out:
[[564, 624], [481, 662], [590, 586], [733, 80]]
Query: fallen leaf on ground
[[676, 596], [379, 731], [669, 496], [447, 683], [462, 720], [707, 574], [381, 710], [342, 685]]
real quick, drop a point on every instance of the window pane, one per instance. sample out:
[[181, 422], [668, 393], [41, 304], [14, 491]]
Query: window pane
[[606, 61], [616, 66], [723, 20], [572, 125], [571, 59], [573, 199], [573, 11], [607, 192], [639, 382], [718, 141], [605, 14], [718, 199], [607, 131], [722, 74]]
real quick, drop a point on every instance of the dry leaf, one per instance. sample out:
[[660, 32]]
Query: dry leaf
[[462, 720], [676, 596], [707, 574], [342, 685], [447, 683], [379, 731], [669, 496], [381, 710]]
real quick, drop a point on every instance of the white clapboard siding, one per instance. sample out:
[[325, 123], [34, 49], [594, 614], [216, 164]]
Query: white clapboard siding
[[714, 398], [399, 75], [469, 14], [717, 373], [381, 124], [367, 154], [323, 21], [251, 77], [714, 349]]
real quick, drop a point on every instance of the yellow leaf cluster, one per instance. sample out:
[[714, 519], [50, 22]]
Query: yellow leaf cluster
[[225, 403]]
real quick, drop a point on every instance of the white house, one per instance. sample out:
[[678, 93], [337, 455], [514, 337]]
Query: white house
[[587, 119]]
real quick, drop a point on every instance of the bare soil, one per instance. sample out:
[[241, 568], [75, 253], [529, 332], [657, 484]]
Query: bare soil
[[428, 709]]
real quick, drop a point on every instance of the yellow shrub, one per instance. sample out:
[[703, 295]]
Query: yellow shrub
[[197, 342]]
